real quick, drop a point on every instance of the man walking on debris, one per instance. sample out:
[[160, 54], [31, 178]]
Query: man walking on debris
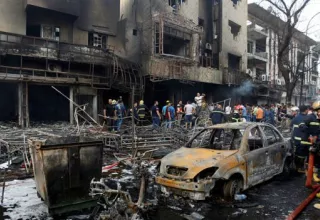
[[108, 114], [189, 110], [142, 109], [217, 116], [156, 117]]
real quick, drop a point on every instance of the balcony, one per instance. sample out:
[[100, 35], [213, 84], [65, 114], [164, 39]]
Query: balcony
[[260, 56], [14, 44], [120, 73], [70, 7], [234, 77], [256, 32]]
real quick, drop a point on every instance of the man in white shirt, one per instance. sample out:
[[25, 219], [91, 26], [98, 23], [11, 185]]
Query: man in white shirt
[[228, 110], [189, 110], [228, 113], [198, 99]]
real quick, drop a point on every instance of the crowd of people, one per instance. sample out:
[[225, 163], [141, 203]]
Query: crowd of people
[[253, 113], [115, 112], [184, 114]]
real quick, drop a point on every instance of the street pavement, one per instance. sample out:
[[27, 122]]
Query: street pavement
[[271, 200]]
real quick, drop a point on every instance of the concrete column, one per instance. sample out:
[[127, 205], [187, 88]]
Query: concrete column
[[20, 104], [71, 106], [23, 104], [95, 107], [26, 104]]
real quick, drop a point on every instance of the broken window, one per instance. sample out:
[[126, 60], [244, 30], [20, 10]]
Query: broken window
[[97, 40], [234, 62], [174, 42], [200, 22], [44, 31], [255, 139], [234, 28], [134, 32], [235, 2], [271, 138], [50, 32], [218, 139], [176, 2]]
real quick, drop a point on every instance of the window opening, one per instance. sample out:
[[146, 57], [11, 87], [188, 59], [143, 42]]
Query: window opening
[[174, 41], [235, 2], [250, 47], [271, 138], [200, 22], [97, 40], [255, 140], [234, 28], [135, 32], [218, 139], [50, 32]]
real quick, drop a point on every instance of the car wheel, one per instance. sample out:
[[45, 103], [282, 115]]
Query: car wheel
[[232, 187], [288, 167]]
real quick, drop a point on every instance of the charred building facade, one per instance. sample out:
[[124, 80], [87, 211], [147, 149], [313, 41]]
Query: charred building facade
[[186, 47], [95, 50], [70, 44]]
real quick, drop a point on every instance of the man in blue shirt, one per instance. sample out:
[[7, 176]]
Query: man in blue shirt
[[156, 117], [244, 112]]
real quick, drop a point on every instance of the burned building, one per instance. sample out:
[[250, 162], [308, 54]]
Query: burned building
[[95, 50], [186, 47], [67, 44]]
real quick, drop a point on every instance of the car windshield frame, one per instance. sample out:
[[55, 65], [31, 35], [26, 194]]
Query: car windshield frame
[[234, 136]]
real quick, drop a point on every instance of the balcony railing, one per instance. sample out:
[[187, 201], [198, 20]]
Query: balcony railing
[[263, 55], [50, 49], [234, 77], [256, 32]]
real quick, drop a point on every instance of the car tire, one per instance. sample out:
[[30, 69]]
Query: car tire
[[288, 167], [231, 187]]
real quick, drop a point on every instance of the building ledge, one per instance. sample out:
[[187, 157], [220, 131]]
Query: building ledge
[[39, 47], [167, 69]]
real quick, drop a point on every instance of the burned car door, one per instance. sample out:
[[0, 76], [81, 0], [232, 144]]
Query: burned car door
[[277, 149], [256, 157]]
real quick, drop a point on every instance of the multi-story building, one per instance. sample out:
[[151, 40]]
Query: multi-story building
[[95, 50], [262, 49], [70, 44], [186, 46]]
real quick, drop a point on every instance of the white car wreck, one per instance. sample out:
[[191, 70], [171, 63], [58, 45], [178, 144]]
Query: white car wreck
[[234, 156]]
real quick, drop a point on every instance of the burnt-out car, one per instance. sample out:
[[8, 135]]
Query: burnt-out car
[[230, 157]]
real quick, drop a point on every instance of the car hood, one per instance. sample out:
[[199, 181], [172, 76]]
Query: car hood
[[194, 159]]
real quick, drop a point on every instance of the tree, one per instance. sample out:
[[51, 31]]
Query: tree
[[289, 13]]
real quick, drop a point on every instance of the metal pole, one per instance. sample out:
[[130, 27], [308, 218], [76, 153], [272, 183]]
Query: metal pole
[[133, 125]]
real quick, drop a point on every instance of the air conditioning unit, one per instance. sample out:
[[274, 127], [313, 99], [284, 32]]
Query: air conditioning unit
[[264, 77], [215, 36], [279, 82], [249, 72], [208, 46], [54, 67], [313, 83]]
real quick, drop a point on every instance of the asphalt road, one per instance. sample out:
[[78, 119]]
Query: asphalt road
[[272, 200]]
